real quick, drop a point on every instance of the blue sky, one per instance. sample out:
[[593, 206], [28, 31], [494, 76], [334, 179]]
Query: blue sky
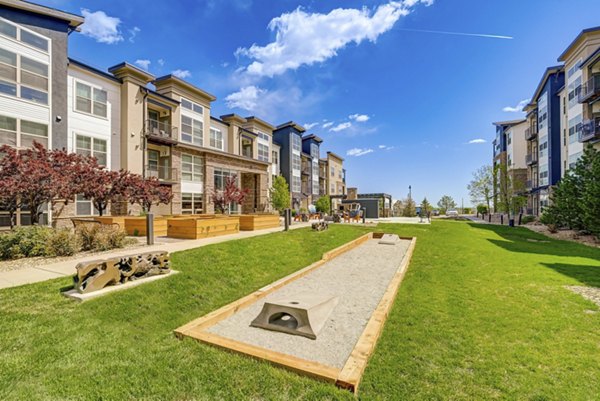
[[401, 105]]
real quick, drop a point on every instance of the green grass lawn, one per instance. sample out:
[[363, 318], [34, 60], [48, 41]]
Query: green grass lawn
[[481, 315]]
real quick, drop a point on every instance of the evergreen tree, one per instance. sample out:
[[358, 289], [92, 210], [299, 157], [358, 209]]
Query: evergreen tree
[[425, 207], [280, 193], [589, 164], [410, 208]]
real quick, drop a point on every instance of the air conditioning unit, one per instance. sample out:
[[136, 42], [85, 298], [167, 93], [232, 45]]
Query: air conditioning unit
[[165, 152]]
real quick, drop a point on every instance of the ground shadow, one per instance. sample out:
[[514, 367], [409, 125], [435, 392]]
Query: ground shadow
[[585, 274], [519, 239]]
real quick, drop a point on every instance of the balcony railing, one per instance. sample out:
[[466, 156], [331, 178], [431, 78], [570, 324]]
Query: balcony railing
[[590, 130], [161, 131], [531, 158], [306, 170], [590, 90], [531, 132], [163, 173]]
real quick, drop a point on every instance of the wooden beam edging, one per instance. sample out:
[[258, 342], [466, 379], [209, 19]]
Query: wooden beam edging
[[354, 368], [302, 366], [233, 307]]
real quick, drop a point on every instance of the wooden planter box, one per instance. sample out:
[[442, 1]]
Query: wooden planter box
[[110, 220], [203, 227], [251, 222], [137, 226]]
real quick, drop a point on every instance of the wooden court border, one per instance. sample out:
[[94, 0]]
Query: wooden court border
[[350, 375]]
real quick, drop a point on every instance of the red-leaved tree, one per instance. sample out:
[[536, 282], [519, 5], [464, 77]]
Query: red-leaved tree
[[10, 185], [230, 194], [147, 192], [107, 186], [72, 174]]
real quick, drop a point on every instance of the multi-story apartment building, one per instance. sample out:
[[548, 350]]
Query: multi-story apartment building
[[582, 66], [545, 138], [33, 78], [509, 148], [289, 137], [311, 147], [336, 179], [169, 133]]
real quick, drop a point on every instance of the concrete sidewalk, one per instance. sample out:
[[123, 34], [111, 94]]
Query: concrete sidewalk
[[50, 271]]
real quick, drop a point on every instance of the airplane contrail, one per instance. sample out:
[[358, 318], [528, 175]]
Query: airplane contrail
[[480, 35]]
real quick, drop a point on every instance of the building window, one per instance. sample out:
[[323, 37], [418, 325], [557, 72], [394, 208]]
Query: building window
[[32, 84], [296, 143], [191, 203], [216, 139], [31, 131], [574, 90], [220, 178], [575, 126], [88, 146], [90, 100], [263, 152], [8, 131], [25, 36], [296, 184], [191, 106], [22, 133], [7, 29], [333, 171], [85, 207], [247, 147], [192, 168], [192, 130], [332, 189]]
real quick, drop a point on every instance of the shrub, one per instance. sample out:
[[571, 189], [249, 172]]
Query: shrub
[[527, 219], [550, 220], [101, 237], [24, 242], [62, 243]]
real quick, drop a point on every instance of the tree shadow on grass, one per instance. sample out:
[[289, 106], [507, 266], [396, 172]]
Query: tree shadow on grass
[[585, 274], [523, 240]]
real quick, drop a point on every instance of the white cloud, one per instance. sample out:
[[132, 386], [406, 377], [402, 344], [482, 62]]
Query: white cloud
[[303, 38], [478, 140], [271, 104], [327, 125], [341, 127], [518, 108], [133, 33], [385, 147], [101, 27], [310, 125], [183, 74], [246, 98], [161, 62], [361, 118], [359, 152], [145, 64]]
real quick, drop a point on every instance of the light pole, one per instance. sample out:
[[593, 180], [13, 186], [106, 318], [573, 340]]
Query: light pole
[[409, 192]]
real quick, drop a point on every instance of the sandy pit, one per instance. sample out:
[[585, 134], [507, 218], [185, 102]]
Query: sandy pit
[[358, 277]]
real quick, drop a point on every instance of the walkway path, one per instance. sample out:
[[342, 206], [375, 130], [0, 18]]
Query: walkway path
[[48, 271]]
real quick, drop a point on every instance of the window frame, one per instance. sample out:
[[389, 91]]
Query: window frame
[[92, 100]]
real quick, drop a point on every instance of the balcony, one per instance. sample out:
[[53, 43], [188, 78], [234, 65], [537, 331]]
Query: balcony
[[305, 170], [590, 90], [165, 174], [531, 132], [163, 132], [590, 130], [531, 159]]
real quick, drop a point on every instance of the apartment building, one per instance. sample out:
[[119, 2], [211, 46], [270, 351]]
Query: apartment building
[[582, 65], [336, 179], [509, 149], [169, 133], [33, 79], [545, 138]]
